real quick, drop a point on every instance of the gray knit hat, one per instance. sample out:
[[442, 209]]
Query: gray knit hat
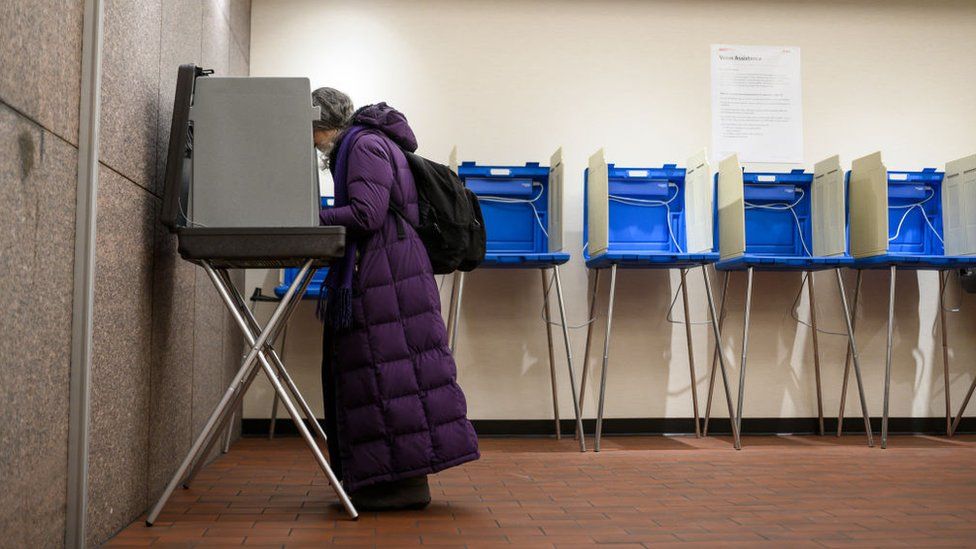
[[336, 107]]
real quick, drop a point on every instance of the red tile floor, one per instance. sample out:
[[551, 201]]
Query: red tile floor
[[778, 491]]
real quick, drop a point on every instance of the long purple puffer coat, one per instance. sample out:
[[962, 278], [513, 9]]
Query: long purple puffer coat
[[393, 407]]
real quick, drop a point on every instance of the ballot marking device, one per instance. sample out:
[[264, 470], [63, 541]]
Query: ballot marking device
[[221, 137]]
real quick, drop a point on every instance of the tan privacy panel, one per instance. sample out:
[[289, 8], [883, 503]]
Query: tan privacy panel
[[598, 213], [827, 208], [452, 161], [556, 201], [959, 206], [869, 206], [731, 209], [699, 201]]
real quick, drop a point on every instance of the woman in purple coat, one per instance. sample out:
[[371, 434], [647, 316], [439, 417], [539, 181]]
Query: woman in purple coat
[[394, 411]]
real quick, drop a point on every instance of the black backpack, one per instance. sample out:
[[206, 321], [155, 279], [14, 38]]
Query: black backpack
[[451, 225]]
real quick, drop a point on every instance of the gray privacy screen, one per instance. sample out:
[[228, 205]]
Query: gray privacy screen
[[253, 161]]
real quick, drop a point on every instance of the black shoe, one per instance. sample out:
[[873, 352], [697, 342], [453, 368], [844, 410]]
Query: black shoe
[[408, 493]]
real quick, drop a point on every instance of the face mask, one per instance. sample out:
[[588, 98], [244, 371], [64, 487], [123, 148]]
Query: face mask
[[325, 148]]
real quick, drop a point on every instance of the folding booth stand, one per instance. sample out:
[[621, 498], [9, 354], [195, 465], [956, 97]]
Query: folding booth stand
[[784, 222], [649, 218], [522, 208], [242, 235], [896, 223], [315, 291]]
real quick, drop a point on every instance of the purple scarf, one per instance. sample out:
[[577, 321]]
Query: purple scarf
[[338, 308]]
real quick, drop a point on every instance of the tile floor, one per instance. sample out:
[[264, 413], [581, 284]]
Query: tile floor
[[640, 491]]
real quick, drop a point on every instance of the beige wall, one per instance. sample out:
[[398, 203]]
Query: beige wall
[[509, 81]]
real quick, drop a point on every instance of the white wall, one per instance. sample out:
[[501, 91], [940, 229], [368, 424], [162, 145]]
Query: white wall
[[509, 81]]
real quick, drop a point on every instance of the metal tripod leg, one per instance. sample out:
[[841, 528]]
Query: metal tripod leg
[[249, 364], [233, 415], [274, 401], [591, 320], [852, 345], [279, 366], [552, 355], [286, 401], [945, 351], [717, 350], [569, 356], [887, 385], [847, 361], [962, 409], [736, 439], [249, 339], [456, 311], [691, 352], [450, 309], [606, 358], [816, 349], [745, 348]]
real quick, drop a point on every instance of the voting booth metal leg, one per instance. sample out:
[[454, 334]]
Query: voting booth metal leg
[[718, 342], [233, 415], [852, 345], [591, 320], [887, 382], [962, 409], [847, 360], [274, 401], [816, 350], [279, 366], [457, 292], [552, 354], [943, 280], [220, 411], [736, 438], [691, 353], [268, 349], [226, 422], [569, 356], [606, 359], [236, 305], [745, 348]]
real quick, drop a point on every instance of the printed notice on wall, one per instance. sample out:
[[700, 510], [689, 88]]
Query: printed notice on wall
[[756, 107]]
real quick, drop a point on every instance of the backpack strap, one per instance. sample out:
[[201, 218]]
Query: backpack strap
[[396, 209]]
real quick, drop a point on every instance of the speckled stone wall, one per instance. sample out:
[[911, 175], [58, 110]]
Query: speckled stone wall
[[39, 98], [165, 349]]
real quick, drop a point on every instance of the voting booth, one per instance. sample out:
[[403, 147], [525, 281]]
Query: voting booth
[[781, 221], [959, 209], [649, 218], [522, 208], [241, 192], [785, 221], [897, 222]]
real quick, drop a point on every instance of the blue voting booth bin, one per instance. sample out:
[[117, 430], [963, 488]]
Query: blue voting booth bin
[[777, 234], [515, 203], [641, 234], [646, 227], [777, 237], [521, 206], [914, 225]]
